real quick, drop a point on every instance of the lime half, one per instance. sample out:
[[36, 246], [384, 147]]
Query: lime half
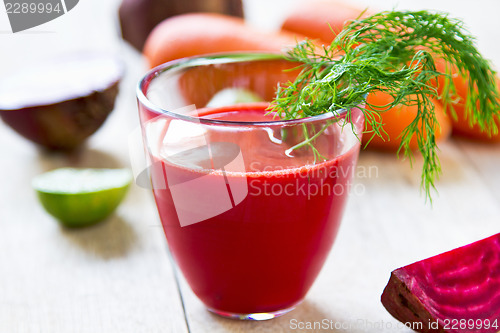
[[81, 197]]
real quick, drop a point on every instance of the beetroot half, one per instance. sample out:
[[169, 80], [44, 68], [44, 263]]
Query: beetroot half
[[60, 102], [457, 291]]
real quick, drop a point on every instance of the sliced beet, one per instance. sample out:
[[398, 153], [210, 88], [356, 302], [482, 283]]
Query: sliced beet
[[139, 17], [457, 291], [59, 103]]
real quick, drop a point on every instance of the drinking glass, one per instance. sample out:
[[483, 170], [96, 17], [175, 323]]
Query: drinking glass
[[250, 204]]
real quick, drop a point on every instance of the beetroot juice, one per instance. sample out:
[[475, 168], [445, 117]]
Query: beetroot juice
[[262, 252]]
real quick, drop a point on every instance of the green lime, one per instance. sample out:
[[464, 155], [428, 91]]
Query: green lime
[[81, 197], [231, 96]]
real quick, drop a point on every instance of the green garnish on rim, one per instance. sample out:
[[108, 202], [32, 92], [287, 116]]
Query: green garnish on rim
[[393, 52]]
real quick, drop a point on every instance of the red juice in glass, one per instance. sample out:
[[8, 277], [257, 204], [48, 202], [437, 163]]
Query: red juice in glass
[[249, 211], [265, 252]]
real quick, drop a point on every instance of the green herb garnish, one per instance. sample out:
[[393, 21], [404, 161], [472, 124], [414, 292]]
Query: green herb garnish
[[393, 52]]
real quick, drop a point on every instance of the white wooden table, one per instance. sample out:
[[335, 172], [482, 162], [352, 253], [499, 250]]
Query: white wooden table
[[117, 276]]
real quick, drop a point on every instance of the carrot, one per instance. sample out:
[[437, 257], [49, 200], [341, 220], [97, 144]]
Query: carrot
[[203, 33], [139, 17], [320, 20], [397, 119], [199, 84], [323, 20], [461, 126]]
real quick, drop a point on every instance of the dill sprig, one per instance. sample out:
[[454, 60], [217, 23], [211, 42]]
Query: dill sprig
[[394, 52]]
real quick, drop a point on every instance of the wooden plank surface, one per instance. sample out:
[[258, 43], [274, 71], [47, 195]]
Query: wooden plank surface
[[117, 276]]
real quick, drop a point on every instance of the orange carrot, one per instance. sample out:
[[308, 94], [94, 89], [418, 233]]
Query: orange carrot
[[320, 20], [199, 84], [397, 119], [203, 33], [323, 20], [461, 124]]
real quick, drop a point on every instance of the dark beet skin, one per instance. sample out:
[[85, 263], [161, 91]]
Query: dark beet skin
[[139, 17], [61, 103], [461, 286], [66, 125]]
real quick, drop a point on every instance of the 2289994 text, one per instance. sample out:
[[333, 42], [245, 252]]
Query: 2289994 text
[[31, 7]]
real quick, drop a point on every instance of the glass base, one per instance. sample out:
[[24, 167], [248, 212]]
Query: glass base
[[253, 316]]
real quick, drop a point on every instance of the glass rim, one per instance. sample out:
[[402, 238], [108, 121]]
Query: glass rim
[[220, 58]]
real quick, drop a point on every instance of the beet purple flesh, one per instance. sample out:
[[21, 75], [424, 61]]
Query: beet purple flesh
[[457, 291]]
